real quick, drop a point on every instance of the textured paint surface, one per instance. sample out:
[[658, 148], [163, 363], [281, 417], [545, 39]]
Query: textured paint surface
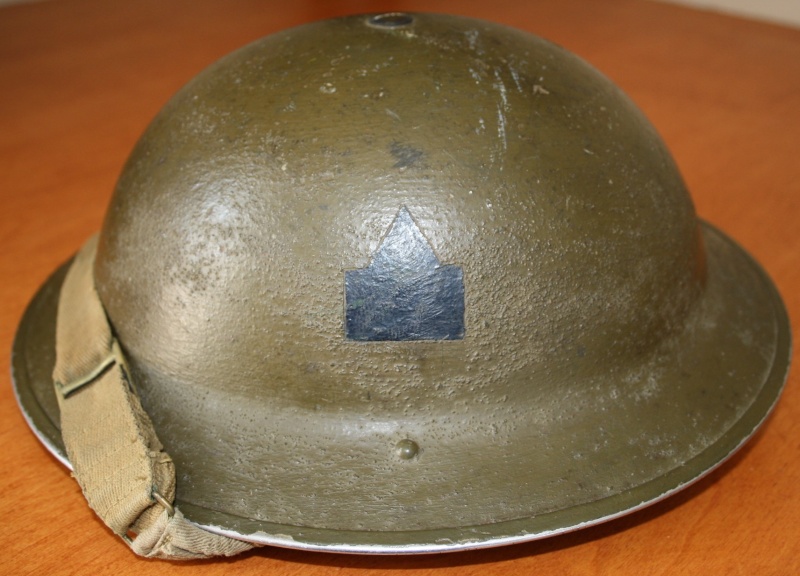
[[283, 166]]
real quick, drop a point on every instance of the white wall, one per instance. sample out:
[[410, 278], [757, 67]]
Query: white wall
[[785, 12]]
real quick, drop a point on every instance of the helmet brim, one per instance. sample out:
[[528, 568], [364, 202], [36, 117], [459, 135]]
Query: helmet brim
[[729, 368]]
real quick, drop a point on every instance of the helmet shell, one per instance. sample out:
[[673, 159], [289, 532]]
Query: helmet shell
[[418, 282]]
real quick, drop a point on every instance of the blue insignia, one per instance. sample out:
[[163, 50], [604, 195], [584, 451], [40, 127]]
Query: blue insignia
[[404, 293]]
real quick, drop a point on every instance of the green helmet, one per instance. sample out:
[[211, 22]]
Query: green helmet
[[412, 283]]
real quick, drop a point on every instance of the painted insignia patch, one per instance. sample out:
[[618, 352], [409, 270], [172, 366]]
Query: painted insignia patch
[[404, 293]]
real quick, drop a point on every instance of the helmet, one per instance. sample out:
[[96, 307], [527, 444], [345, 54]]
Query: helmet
[[408, 283]]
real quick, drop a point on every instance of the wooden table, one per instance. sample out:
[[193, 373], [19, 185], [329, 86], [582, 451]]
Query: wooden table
[[80, 79]]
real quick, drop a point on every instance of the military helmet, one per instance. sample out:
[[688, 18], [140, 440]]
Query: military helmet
[[408, 283]]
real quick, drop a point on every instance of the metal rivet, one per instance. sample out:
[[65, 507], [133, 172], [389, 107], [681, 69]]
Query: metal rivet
[[407, 449], [391, 20]]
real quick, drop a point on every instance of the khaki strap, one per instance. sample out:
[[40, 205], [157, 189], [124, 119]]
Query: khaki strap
[[121, 466]]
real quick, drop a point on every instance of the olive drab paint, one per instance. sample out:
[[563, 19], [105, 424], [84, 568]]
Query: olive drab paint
[[412, 282]]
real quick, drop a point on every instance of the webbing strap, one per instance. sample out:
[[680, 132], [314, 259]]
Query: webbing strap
[[124, 472]]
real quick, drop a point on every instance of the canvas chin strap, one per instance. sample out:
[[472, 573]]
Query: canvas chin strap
[[122, 468]]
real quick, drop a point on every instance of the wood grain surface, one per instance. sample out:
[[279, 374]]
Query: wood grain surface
[[79, 81]]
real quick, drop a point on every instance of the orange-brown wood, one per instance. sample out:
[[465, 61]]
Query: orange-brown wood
[[80, 79]]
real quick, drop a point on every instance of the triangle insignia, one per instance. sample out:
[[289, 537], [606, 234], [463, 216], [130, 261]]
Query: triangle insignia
[[404, 293]]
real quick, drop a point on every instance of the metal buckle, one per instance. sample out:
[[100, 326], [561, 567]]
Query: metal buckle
[[163, 501]]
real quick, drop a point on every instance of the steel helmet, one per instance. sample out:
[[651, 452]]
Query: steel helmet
[[400, 283]]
